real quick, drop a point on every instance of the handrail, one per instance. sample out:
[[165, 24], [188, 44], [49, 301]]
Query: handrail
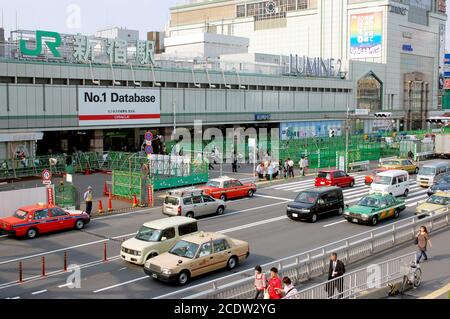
[[373, 242]]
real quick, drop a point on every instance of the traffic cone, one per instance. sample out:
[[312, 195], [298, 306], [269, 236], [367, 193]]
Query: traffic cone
[[100, 207], [135, 202], [105, 189], [110, 203], [87, 171]]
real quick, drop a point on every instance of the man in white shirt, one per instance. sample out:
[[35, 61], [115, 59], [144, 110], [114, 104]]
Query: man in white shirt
[[336, 270]]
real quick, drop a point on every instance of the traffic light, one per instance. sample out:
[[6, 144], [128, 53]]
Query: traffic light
[[383, 114], [331, 133]]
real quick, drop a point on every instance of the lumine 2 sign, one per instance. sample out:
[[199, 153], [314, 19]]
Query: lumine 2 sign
[[83, 49], [306, 66]]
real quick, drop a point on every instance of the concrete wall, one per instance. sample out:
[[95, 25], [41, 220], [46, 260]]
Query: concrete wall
[[12, 200]]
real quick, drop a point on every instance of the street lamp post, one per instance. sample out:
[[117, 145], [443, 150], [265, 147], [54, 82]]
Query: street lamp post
[[347, 120]]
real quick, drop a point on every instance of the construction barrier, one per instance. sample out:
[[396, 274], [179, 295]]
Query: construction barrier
[[67, 196]]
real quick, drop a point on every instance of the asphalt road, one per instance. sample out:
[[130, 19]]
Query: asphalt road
[[260, 220]]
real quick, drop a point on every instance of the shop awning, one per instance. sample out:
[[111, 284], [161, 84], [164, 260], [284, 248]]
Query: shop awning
[[19, 137]]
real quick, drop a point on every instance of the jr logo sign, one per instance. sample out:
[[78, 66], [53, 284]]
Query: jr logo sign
[[51, 39]]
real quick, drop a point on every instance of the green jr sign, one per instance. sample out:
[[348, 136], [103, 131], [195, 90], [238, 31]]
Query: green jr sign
[[51, 39]]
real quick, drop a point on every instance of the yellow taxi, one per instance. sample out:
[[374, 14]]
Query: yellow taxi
[[401, 164], [436, 203], [195, 255]]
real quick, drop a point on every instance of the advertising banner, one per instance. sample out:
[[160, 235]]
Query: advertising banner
[[299, 130], [111, 106], [366, 31]]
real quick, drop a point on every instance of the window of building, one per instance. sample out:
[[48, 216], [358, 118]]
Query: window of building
[[369, 92], [240, 11], [302, 4]]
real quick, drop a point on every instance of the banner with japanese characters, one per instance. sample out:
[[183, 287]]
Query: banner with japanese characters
[[366, 32], [118, 106]]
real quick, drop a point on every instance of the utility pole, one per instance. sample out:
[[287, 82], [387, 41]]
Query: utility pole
[[347, 120]]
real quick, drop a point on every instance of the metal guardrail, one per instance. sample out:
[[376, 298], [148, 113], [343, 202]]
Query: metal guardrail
[[359, 282], [313, 263]]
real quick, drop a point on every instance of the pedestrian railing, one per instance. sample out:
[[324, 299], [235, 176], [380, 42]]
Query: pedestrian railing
[[314, 263], [360, 282]]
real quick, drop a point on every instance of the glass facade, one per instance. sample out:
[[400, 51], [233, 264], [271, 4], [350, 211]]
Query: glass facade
[[369, 93]]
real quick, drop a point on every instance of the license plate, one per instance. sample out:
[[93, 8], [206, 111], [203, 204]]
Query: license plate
[[295, 215], [355, 220], [155, 276], [322, 183]]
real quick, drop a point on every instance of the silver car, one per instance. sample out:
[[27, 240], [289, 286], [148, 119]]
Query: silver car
[[191, 203]]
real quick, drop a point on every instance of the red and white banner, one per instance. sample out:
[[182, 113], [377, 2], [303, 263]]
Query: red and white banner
[[50, 195], [116, 106]]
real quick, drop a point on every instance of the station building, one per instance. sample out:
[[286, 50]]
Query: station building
[[299, 66]]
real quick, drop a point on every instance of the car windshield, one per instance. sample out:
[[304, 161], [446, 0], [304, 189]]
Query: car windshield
[[323, 175], [438, 200], [391, 163], [383, 180], [184, 249], [171, 200], [213, 184], [427, 170], [369, 202], [307, 197], [148, 234], [20, 214]]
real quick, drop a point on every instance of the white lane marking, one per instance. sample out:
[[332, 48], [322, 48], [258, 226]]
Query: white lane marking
[[243, 211], [332, 224], [281, 186], [273, 197], [14, 297], [121, 284], [415, 203], [65, 285], [55, 273], [267, 221], [122, 268], [125, 214], [39, 292], [306, 183]]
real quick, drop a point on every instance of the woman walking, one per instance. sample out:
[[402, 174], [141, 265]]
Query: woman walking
[[422, 241], [260, 282]]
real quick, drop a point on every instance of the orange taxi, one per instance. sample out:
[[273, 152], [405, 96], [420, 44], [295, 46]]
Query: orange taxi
[[225, 188]]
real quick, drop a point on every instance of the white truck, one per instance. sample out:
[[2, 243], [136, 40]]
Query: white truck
[[442, 145]]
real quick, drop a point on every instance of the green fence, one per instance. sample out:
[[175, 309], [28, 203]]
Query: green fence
[[126, 184], [198, 175], [67, 196], [28, 167]]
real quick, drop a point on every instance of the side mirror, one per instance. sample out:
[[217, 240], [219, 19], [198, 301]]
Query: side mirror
[[180, 261], [163, 238]]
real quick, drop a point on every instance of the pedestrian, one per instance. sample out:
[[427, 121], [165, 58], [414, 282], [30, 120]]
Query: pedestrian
[[306, 161], [285, 168], [301, 163], [289, 289], [88, 197], [269, 175], [260, 170], [335, 271], [291, 168], [422, 241], [410, 155], [234, 163], [260, 282], [274, 285]]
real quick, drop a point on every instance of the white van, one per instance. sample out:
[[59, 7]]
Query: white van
[[156, 237], [428, 172], [395, 182]]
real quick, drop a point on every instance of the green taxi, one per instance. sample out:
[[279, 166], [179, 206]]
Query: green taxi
[[374, 207]]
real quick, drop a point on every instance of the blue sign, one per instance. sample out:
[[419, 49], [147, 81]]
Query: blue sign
[[263, 117], [149, 149], [407, 47], [447, 59], [148, 136]]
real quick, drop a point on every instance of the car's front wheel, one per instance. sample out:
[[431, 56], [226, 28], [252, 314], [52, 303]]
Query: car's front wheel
[[250, 193], [183, 278], [352, 183], [406, 193], [340, 211], [79, 224], [374, 220], [396, 213], [416, 171], [190, 215]]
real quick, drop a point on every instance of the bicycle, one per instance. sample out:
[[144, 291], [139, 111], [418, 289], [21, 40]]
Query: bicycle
[[412, 276]]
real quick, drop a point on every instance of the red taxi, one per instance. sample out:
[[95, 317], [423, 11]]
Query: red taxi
[[334, 178], [368, 179], [31, 221], [227, 188]]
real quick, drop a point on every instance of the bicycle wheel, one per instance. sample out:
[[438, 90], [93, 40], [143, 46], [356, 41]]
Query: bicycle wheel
[[417, 277]]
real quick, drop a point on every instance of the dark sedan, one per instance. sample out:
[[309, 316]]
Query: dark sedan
[[443, 184]]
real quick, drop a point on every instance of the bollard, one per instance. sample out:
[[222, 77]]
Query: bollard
[[20, 272], [105, 258], [43, 266], [65, 261]]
